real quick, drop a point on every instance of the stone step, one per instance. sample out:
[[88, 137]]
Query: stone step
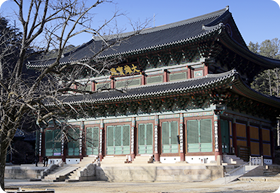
[[60, 174], [232, 159], [114, 160], [143, 160]]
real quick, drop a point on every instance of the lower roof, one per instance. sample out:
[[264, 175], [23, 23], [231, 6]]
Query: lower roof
[[227, 80]]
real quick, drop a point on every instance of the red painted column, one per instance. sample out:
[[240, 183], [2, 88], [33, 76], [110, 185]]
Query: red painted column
[[112, 82], [182, 141], [189, 72], [75, 87], [101, 139], [156, 139], [93, 86], [165, 75], [205, 70], [143, 78]]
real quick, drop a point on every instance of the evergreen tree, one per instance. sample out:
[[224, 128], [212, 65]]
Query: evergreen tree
[[267, 82]]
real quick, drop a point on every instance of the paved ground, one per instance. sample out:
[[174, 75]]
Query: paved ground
[[253, 185]]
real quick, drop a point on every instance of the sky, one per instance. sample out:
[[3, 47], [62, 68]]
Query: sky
[[257, 20]]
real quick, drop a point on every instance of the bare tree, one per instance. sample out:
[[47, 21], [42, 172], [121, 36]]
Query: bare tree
[[25, 96]]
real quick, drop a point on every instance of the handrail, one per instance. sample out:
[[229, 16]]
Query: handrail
[[256, 160]]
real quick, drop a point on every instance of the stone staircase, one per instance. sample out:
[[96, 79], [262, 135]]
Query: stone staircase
[[143, 159], [114, 160], [69, 172], [60, 174], [83, 165], [237, 173], [232, 160]]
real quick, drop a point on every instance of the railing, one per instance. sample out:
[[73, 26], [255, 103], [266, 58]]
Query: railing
[[253, 161], [256, 160]]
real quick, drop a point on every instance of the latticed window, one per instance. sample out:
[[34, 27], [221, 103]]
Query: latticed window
[[53, 142], [145, 138], [169, 137], [118, 139], [199, 135], [92, 140], [73, 137]]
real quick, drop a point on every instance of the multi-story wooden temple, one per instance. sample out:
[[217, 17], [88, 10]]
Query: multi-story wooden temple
[[180, 94]]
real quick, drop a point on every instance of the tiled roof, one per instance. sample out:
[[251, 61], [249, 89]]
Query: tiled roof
[[152, 38], [146, 91]]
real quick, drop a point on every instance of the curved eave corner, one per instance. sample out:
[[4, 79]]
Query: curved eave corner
[[263, 61], [243, 89]]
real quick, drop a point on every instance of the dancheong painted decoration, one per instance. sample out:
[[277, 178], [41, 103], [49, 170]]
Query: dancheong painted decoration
[[184, 97]]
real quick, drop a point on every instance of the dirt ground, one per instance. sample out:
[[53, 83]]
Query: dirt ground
[[97, 186]]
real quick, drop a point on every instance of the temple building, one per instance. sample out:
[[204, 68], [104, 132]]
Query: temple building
[[180, 94]]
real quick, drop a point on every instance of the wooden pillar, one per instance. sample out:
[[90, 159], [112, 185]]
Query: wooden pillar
[[248, 136], [143, 78], [182, 144], [272, 146], [92, 85], [132, 138], [218, 140], [156, 139], [261, 140], [101, 129], [234, 137], [112, 82], [205, 70], [189, 72], [165, 72], [81, 148]]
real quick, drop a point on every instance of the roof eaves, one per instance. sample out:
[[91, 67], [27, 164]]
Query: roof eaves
[[162, 46], [228, 76]]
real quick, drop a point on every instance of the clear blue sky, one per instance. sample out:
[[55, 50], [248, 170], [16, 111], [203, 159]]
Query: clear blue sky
[[257, 20]]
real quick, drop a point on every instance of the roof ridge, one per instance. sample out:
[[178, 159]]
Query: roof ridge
[[168, 26]]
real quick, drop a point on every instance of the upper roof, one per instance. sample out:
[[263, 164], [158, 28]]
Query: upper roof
[[171, 35], [230, 79], [151, 38]]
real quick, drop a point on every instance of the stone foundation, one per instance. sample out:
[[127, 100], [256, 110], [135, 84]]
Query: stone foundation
[[21, 172], [159, 173]]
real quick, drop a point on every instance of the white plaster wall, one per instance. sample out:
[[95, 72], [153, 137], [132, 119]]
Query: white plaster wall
[[54, 161], [199, 159], [169, 159], [267, 161], [73, 161]]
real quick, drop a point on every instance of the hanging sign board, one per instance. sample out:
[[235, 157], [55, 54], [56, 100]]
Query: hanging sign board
[[124, 70]]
